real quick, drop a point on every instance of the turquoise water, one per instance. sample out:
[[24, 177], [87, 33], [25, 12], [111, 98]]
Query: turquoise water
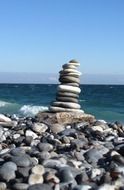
[[104, 101]]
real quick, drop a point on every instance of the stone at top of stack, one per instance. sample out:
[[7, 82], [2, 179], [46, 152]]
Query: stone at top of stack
[[68, 91]]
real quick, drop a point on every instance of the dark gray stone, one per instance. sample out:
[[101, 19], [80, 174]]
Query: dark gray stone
[[40, 187], [22, 160], [20, 186], [17, 152], [65, 175], [45, 147], [66, 99]]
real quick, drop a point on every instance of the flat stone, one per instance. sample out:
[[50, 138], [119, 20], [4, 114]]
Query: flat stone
[[40, 187], [93, 155], [72, 74], [20, 186], [69, 79], [3, 118], [74, 61], [68, 94], [52, 163], [60, 109], [71, 84], [39, 127], [35, 179], [71, 71], [66, 105], [57, 128], [66, 99], [71, 89], [64, 117], [69, 66], [82, 187]]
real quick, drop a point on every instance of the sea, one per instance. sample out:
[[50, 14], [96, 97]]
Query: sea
[[106, 102]]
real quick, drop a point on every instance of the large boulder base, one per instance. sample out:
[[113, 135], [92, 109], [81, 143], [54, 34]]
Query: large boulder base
[[64, 117]]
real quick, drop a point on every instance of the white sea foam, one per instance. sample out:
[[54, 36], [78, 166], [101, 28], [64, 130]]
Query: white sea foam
[[30, 110], [3, 103]]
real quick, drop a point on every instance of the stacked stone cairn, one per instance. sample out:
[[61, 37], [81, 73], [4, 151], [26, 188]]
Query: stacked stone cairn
[[68, 91]]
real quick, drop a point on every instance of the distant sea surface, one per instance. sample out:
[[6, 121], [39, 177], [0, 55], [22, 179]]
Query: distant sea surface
[[104, 101]]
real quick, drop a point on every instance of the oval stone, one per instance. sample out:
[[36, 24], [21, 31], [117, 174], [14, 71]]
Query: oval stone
[[66, 105]]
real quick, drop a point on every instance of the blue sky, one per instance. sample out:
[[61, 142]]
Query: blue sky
[[41, 35]]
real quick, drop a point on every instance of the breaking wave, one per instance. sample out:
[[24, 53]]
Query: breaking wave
[[31, 110], [3, 103]]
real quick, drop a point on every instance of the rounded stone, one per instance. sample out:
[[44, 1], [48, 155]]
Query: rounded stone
[[22, 161], [59, 109], [66, 105], [69, 79], [69, 66], [57, 128], [45, 147], [71, 89], [66, 99], [65, 175], [44, 155], [3, 186], [74, 61], [38, 169], [52, 163], [39, 127], [23, 172], [17, 152], [68, 94], [82, 187], [71, 74], [40, 187], [20, 186], [35, 179], [7, 171], [71, 84], [10, 165], [50, 177], [31, 133]]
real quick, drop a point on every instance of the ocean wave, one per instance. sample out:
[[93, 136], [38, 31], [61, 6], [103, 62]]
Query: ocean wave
[[3, 103], [30, 110]]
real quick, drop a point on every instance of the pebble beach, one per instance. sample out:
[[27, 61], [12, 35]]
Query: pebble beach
[[62, 148], [78, 156]]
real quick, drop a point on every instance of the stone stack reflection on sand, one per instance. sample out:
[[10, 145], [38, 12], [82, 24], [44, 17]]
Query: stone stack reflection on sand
[[68, 91]]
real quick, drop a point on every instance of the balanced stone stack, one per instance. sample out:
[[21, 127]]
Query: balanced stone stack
[[68, 91]]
